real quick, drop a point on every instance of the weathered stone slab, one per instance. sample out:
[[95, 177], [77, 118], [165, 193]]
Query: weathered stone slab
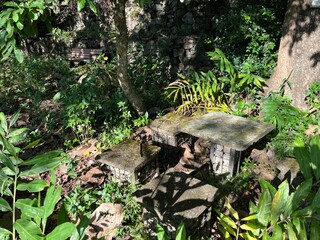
[[232, 131], [175, 197], [166, 128], [131, 161]]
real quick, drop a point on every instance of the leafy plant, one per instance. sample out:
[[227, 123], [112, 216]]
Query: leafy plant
[[248, 32], [34, 216], [214, 90], [308, 157], [81, 202], [180, 233], [313, 97], [19, 21], [278, 214]]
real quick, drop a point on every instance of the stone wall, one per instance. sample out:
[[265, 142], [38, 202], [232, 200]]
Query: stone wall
[[176, 30]]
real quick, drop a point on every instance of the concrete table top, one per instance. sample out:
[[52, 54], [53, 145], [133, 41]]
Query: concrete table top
[[228, 130]]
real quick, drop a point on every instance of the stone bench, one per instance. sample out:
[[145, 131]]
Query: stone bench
[[177, 197], [131, 161], [83, 54]]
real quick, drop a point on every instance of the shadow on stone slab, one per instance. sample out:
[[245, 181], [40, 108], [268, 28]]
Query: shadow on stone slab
[[177, 197]]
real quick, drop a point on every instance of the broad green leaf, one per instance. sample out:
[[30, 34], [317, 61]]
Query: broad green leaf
[[300, 194], [35, 185], [161, 233], [250, 226], [92, 7], [17, 132], [247, 236], [266, 185], [8, 146], [81, 4], [7, 161], [231, 209], [250, 217], [27, 230], [41, 167], [52, 197], [278, 232], [315, 155], [3, 122], [80, 231], [303, 158], [42, 157], [4, 233], [11, 4], [15, 16], [14, 119], [315, 205], [226, 225], [315, 230], [279, 202], [32, 144], [181, 232], [9, 29], [61, 232], [4, 205], [264, 207], [18, 54], [291, 232], [28, 208]]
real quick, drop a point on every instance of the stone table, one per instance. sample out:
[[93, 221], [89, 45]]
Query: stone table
[[229, 136]]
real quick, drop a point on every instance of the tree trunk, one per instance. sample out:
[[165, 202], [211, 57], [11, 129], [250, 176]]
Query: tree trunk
[[299, 51], [122, 56]]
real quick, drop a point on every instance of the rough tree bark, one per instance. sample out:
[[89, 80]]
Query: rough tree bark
[[299, 51], [122, 56]]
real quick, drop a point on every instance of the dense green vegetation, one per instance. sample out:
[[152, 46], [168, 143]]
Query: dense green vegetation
[[43, 97]]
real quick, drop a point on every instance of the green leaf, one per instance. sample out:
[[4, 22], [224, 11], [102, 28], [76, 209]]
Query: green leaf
[[315, 155], [4, 233], [303, 158], [27, 230], [8, 146], [92, 7], [18, 54], [17, 132], [279, 202], [264, 207], [11, 4], [61, 232], [41, 167], [81, 4], [300, 194], [20, 25], [231, 209], [291, 232], [35, 185], [3, 122], [161, 233], [42, 157], [52, 197], [15, 16], [278, 232], [315, 230], [181, 232], [4, 205], [7, 161], [14, 119], [250, 226], [32, 144], [28, 208], [80, 231]]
